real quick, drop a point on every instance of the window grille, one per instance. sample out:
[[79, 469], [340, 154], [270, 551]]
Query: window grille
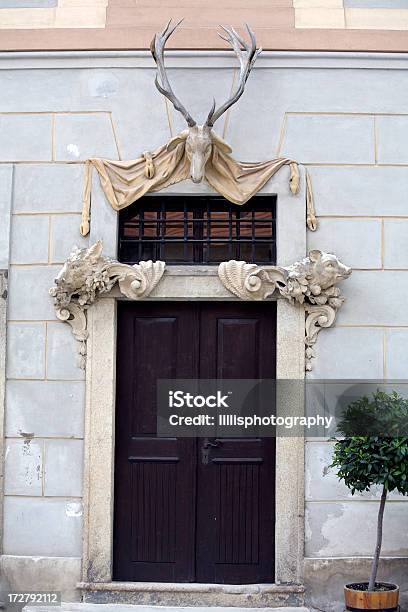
[[198, 230]]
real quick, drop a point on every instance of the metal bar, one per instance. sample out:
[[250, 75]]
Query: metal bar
[[185, 229], [238, 234], [209, 216], [208, 254], [141, 232], [260, 240], [253, 231]]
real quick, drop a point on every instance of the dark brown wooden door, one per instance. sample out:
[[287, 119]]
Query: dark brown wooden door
[[177, 519]]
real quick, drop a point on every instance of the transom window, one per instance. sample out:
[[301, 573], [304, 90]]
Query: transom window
[[198, 230]]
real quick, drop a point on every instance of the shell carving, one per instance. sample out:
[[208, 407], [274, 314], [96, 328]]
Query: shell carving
[[249, 281]]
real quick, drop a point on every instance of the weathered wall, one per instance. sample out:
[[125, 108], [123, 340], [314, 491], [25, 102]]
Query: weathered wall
[[343, 117]]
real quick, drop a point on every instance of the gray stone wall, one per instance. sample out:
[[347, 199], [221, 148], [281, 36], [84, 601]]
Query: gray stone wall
[[344, 117]]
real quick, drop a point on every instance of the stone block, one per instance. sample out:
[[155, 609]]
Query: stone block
[[23, 464], [6, 178], [377, 19], [397, 354], [78, 137], [359, 191], [64, 236], [49, 409], [348, 352], [48, 188], [396, 243], [318, 4], [42, 527], [85, 16], [348, 529], [221, 598], [63, 461], [59, 90], [29, 298], [28, 3], [29, 18], [341, 139], [25, 137], [26, 350], [344, 237], [73, 3], [24, 248], [371, 4], [392, 137], [36, 573], [62, 352], [375, 298], [318, 17]]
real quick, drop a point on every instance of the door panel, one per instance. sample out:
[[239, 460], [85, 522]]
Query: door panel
[[176, 519], [235, 504], [155, 478]]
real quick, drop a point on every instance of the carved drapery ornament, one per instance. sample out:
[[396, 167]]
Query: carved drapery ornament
[[310, 282], [197, 152], [87, 274]]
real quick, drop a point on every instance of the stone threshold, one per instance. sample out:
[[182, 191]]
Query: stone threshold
[[191, 587], [87, 607], [194, 594]]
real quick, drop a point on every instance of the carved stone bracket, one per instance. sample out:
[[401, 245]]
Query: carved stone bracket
[[310, 282], [87, 274]]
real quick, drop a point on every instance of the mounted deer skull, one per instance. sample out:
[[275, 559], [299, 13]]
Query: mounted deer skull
[[200, 139]]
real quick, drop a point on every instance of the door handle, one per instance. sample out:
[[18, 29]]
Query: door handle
[[206, 448], [211, 444]]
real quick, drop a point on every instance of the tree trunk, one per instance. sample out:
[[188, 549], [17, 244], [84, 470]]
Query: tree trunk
[[374, 567]]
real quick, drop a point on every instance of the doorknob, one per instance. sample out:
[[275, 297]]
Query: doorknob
[[209, 444], [206, 448]]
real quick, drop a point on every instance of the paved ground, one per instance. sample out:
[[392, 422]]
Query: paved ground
[[87, 607]]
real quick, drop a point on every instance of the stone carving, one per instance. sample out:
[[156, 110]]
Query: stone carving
[[310, 282], [87, 274], [197, 152], [199, 139]]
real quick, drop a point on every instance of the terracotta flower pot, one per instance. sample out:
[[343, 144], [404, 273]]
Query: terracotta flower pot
[[358, 598]]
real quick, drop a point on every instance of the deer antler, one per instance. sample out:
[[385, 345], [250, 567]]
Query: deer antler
[[247, 54], [162, 82]]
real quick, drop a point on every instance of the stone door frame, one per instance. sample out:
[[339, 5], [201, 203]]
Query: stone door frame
[[188, 283]]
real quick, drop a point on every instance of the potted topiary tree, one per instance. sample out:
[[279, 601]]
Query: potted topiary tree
[[374, 451]]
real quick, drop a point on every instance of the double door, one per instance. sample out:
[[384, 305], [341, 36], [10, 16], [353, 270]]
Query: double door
[[179, 518]]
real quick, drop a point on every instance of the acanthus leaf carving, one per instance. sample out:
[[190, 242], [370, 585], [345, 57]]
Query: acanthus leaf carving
[[86, 275], [310, 282], [317, 318]]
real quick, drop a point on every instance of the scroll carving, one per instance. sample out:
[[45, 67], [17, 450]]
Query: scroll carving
[[310, 282], [86, 275]]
